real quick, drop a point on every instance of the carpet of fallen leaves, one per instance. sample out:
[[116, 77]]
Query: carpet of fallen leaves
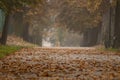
[[60, 64], [14, 40]]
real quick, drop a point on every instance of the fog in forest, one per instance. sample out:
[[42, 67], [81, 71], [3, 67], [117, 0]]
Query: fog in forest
[[67, 24]]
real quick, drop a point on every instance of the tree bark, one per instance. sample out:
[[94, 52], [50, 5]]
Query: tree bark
[[117, 26], [40, 40], [26, 32], [108, 27], [18, 26], [90, 37], [5, 30]]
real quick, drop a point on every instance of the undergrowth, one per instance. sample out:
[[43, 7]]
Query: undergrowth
[[6, 50]]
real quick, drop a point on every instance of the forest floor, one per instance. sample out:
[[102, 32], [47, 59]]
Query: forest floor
[[60, 64], [17, 41]]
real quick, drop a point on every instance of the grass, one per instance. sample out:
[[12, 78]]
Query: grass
[[110, 49], [113, 49], [6, 50]]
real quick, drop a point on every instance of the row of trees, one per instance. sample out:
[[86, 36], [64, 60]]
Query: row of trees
[[112, 36], [98, 18], [12, 6]]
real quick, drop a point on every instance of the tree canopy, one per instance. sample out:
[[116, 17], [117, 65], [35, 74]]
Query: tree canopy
[[12, 5], [81, 14]]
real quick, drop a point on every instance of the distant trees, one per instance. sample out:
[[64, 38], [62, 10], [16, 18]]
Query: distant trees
[[75, 15], [110, 12], [34, 23], [86, 16], [10, 6], [92, 18]]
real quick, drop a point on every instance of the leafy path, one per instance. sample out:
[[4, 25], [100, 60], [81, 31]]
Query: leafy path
[[60, 64]]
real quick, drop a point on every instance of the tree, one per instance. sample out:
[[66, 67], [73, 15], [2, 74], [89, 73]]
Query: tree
[[38, 20], [112, 34], [76, 15], [10, 6], [116, 42]]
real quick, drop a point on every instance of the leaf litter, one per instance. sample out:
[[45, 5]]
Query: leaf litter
[[60, 64]]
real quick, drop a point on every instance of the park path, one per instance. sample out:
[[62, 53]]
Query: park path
[[60, 64]]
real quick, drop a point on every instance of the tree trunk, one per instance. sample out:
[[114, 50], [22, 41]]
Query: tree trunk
[[90, 37], [18, 26], [85, 38], [99, 38], [26, 32], [108, 27], [117, 26], [5, 30], [40, 40]]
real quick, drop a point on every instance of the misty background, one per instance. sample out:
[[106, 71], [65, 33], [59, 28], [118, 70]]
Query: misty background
[[60, 25]]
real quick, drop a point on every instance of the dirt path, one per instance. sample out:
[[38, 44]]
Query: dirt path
[[60, 64]]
